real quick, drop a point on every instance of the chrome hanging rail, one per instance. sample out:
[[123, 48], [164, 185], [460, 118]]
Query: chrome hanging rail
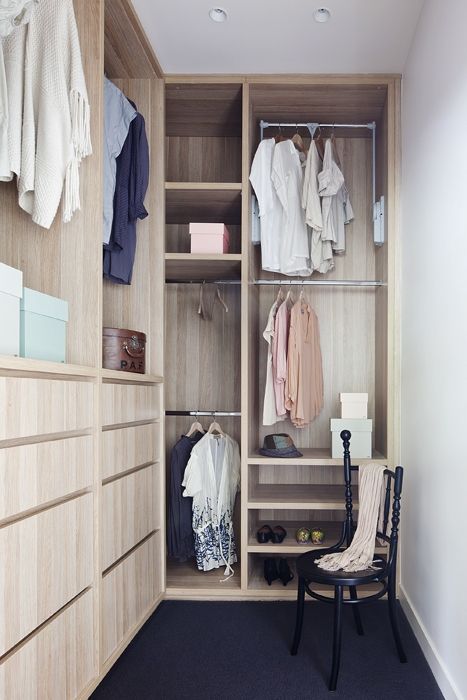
[[325, 283], [215, 414]]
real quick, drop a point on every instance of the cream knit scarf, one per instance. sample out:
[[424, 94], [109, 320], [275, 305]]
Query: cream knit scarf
[[359, 556]]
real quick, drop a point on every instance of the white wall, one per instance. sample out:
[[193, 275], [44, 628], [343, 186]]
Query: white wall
[[434, 339]]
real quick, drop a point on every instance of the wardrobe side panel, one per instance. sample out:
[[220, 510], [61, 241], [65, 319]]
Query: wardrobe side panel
[[65, 261]]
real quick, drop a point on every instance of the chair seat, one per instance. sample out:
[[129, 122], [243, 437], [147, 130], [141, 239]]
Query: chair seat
[[310, 571]]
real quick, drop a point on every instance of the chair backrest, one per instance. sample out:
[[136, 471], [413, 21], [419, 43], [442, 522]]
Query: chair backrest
[[393, 485]]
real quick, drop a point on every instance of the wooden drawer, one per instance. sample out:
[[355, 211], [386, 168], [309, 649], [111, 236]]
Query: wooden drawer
[[57, 663], [40, 406], [47, 559], [126, 448], [127, 513], [128, 591], [31, 475], [126, 403]]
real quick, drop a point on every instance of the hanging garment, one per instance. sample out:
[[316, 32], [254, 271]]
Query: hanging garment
[[304, 386], [180, 542], [14, 13], [279, 357], [55, 133], [337, 209], [287, 178], [255, 222], [321, 250], [132, 179], [212, 478], [269, 406], [12, 60], [118, 115], [270, 209]]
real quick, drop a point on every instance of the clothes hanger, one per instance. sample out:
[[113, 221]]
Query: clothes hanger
[[290, 297], [215, 427], [221, 300], [280, 295], [196, 426], [279, 137], [319, 142], [335, 154]]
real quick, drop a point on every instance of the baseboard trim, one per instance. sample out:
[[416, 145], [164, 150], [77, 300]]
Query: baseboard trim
[[435, 662]]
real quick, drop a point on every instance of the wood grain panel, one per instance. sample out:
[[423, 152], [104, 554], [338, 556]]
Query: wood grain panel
[[65, 261], [58, 662], [127, 448], [47, 560], [128, 591], [128, 51], [203, 159], [204, 109], [123, 403], [128, 513], [203, 268], [40, 406], [32, 475], [207, 205], [203, 357]]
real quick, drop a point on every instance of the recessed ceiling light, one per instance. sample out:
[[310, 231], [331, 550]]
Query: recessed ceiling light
[[322, 14], [217, 14]]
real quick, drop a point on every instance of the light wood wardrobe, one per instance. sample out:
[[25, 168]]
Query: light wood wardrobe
[[83, 450]]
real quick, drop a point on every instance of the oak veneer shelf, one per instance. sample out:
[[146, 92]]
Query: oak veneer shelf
[[17, 365], [113, 375], [298, 496], [191, 266], [213, 186], [185, 579], [315, 456]]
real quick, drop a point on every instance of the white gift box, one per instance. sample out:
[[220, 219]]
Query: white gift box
[[354, 405], [360, 442]]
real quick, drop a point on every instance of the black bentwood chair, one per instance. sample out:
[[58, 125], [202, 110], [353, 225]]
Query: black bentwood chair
[[385, 573]]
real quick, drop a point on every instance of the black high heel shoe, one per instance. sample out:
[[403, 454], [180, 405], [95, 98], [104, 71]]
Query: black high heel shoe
[[278, 534], [285, 573], [270, 570], [264, 534]]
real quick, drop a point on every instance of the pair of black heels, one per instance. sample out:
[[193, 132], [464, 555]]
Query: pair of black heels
[[274, 569], [269, 534]]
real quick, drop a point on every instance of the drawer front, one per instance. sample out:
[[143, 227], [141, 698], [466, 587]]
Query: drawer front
[[40, 406], [127, 513], [128, 591], [57, 663], [125, 403], [126, 448], [31, 475], [47, 559]]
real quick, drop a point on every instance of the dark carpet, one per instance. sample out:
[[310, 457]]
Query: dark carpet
[[233, 651]]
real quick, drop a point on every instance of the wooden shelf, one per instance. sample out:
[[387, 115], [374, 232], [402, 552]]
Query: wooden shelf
[[313, 457], [209, 202], [298, 497], [110, 375], [185, 579], [18, 365], [191, 266], [332, 533]]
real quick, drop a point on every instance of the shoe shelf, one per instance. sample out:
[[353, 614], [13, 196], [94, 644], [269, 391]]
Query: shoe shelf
[[184, 579]]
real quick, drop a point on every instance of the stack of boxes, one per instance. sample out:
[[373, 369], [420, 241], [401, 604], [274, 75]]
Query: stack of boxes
[[354, 411], [32, 324]]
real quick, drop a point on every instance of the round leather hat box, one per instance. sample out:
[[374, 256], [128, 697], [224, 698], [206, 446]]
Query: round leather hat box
[[124, 350]]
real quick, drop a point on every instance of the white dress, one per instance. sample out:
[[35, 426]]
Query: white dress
[[287, 177], [321, 250], [270, 209], [337, 210], [212, 478], [269, 406]]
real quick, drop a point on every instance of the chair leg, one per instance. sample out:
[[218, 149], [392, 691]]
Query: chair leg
[[356, 611], [336, 644], [393, 616], [299, 617]]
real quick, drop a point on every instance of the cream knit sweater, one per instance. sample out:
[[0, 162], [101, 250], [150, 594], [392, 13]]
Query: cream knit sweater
[[55, 112]]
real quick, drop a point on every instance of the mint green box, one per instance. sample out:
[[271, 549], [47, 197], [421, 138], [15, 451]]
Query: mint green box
[[43, 326]]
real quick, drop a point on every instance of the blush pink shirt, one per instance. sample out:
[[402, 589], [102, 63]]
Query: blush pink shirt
[[279, 356]]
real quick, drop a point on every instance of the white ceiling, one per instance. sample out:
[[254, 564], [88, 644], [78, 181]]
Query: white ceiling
[[269, 36]]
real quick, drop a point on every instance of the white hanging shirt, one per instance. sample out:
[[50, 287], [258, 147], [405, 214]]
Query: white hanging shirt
[[337, 210], [287, 177], [270, 209], [212, 478], [321, 251], [269, 406]]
